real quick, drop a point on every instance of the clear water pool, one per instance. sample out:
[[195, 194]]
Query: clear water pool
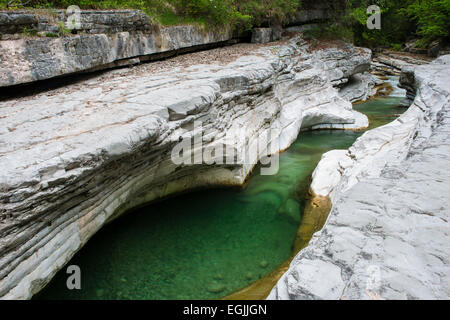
[[208, 244]]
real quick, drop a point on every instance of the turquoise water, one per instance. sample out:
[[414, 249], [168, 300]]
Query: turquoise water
[[381, 111], [207, 244]]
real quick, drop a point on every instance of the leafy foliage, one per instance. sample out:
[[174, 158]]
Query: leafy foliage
[[433, 18], [401, 20], [271, 12]]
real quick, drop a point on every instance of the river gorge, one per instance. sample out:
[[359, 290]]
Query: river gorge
[[208, 244], [88, 178]]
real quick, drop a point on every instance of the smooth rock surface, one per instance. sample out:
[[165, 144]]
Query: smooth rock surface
[[75, 158], [360, 87], [388, 233]]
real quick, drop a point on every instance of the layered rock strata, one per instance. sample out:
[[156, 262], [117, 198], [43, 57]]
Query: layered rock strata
[[388, 231], [13, 23], [28, 60], [390, 63], [360, 87], [75, 158], [36, 45]]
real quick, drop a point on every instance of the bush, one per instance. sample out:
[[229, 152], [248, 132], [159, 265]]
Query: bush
[[272, 12], [214, 13], [401, 20], [397, 47], [433, 18]]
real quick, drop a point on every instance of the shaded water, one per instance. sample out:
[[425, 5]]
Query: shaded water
[[208, 244], [381, 110]]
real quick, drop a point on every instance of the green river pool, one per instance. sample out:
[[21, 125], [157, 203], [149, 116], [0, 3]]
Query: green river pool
[[210, 243]]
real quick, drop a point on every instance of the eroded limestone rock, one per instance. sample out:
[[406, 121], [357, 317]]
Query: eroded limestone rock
[[388, 231], [75, 158], [360, 87]]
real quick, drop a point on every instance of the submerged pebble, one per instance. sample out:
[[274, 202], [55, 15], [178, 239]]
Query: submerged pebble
[[216, 288], [218, 276]]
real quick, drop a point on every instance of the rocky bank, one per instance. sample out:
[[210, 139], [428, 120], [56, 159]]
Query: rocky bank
[[104, 40], [75, 158], [388, 231]]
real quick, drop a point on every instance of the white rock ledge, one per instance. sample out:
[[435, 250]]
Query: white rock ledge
[[388, 233], [75, 158]]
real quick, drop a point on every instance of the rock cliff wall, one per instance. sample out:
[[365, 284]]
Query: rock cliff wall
[[13, 23], [34, 46], [388, 231], [31, 59], [313, 11], [75, 158]]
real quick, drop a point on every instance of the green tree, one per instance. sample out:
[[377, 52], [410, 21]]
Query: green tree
[[432, 17]]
